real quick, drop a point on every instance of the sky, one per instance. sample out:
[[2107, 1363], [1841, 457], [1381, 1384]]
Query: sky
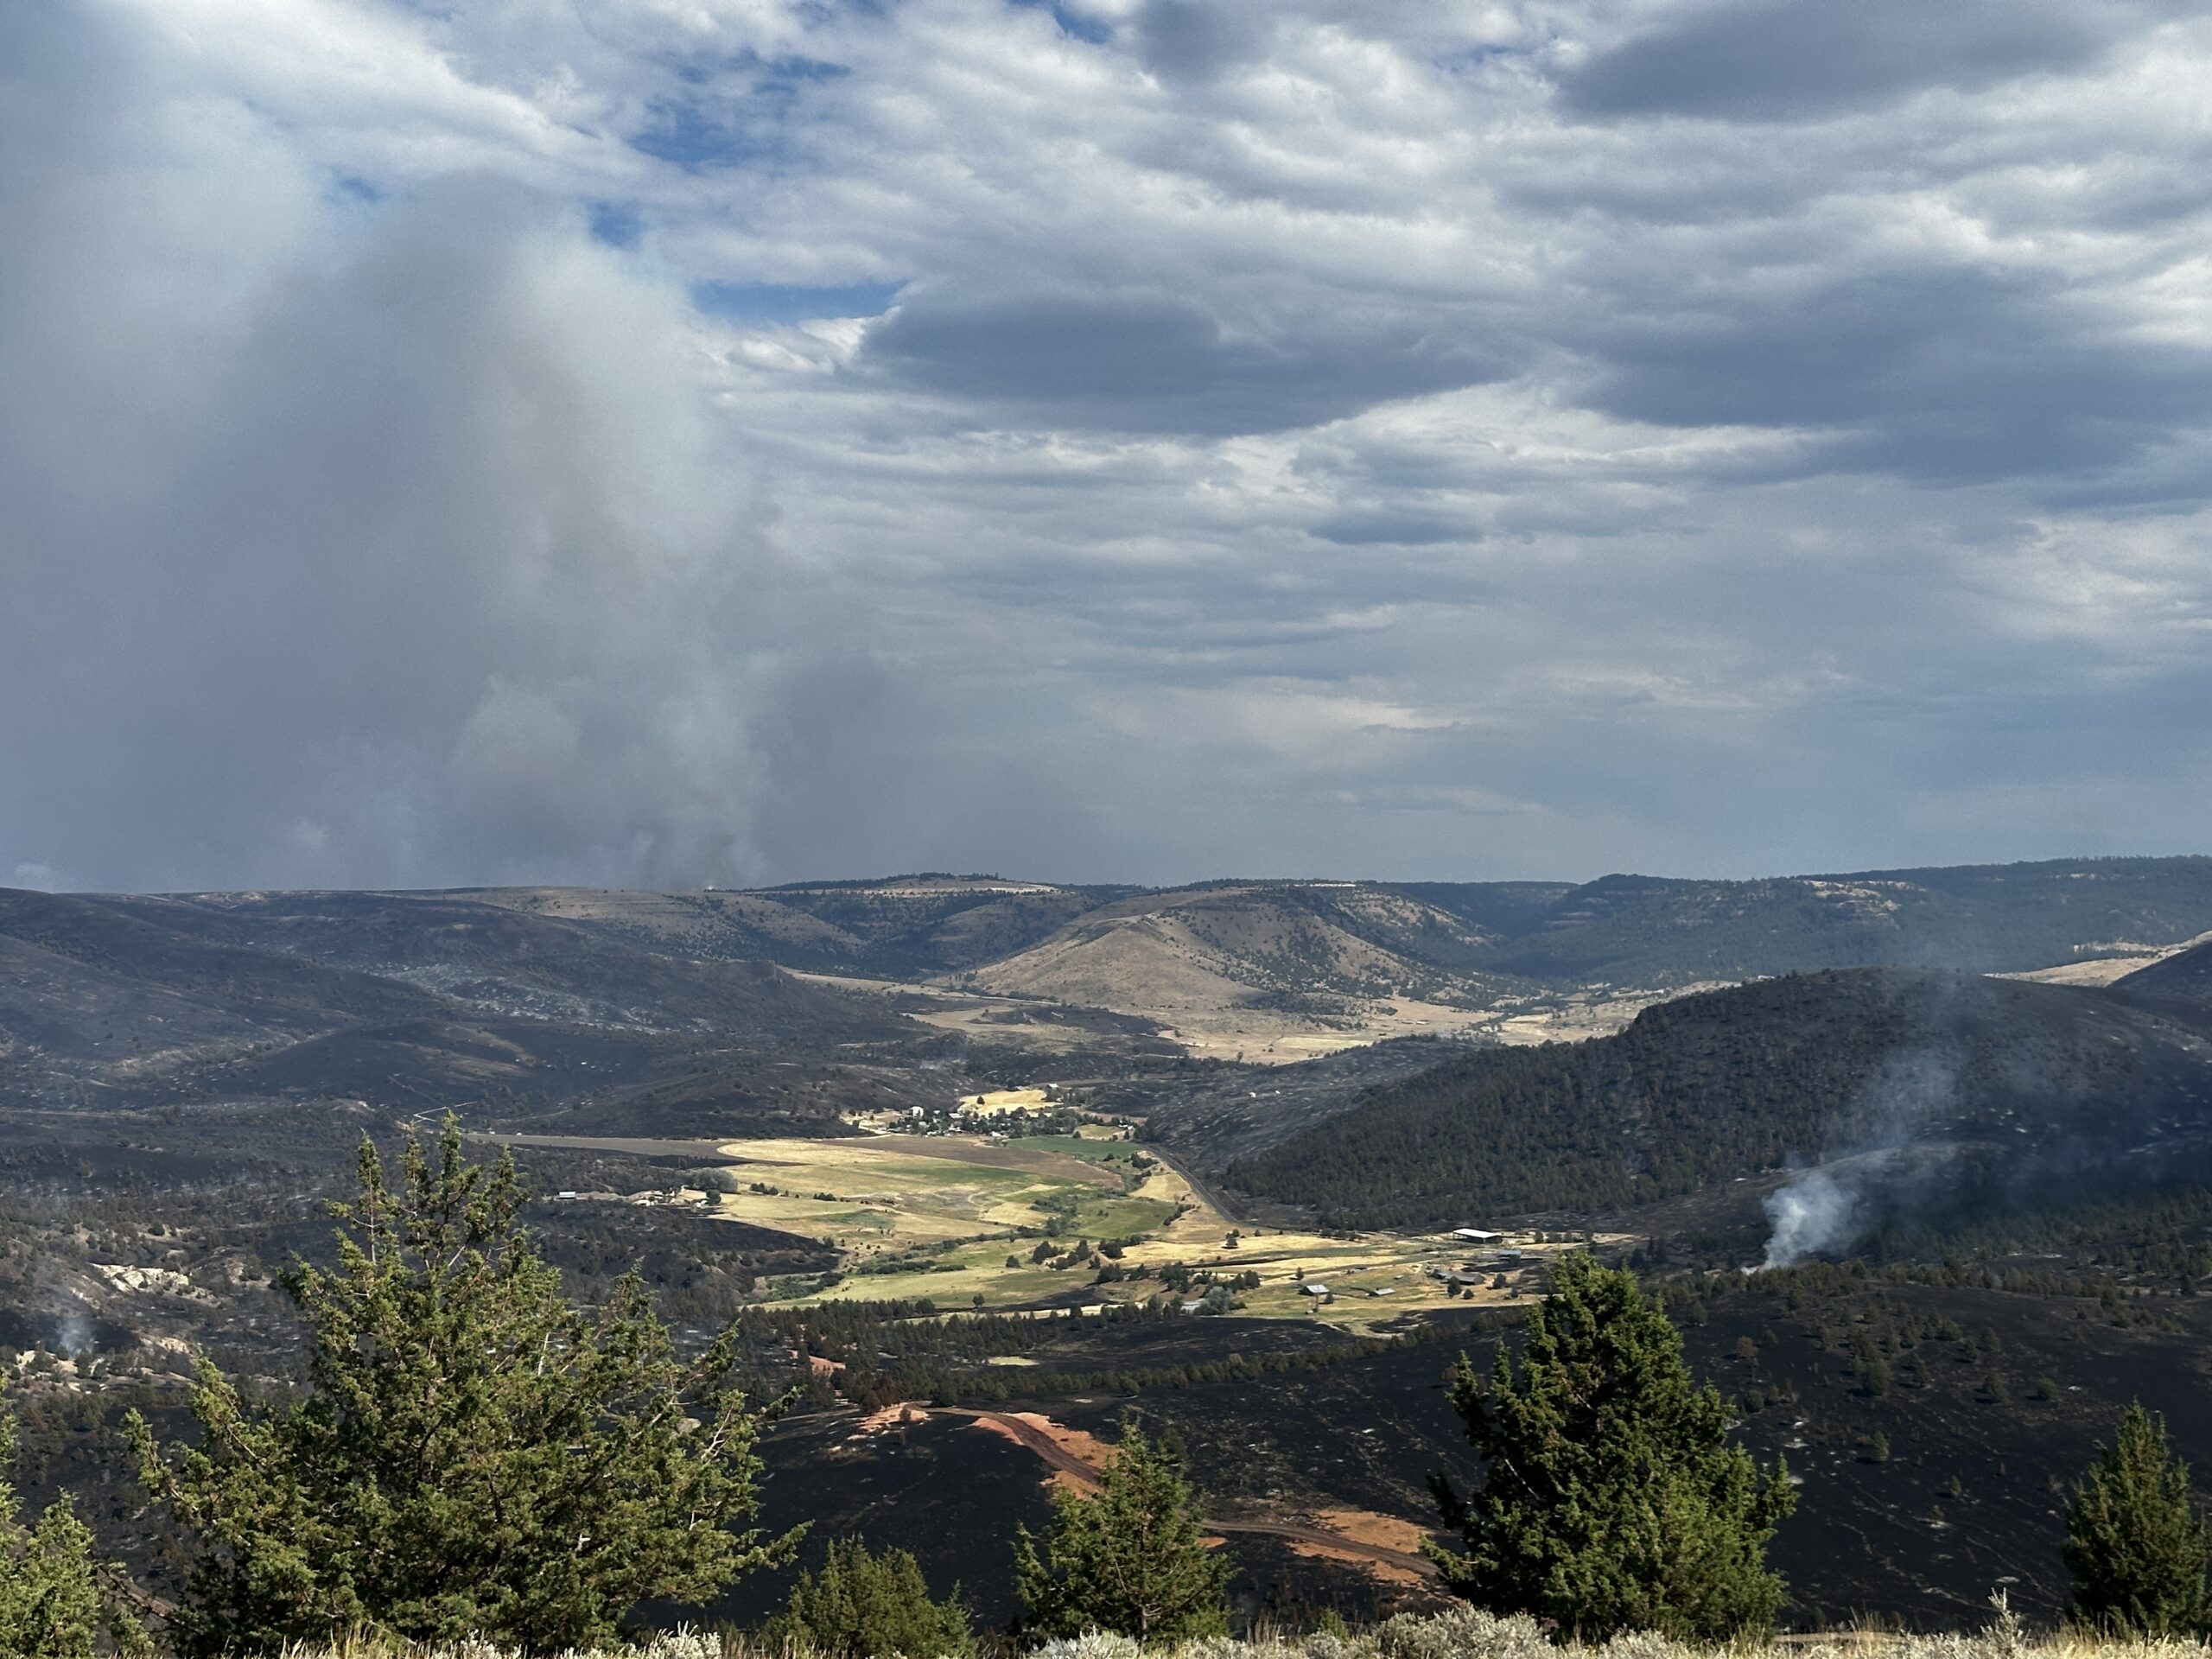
[[656, 442]]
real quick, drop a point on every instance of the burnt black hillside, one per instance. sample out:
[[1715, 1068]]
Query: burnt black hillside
[[2186, 977], [1710, 1088]]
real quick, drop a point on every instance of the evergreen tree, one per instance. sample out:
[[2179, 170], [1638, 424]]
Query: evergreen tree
[[2136, 1546], [1130, 1558], [862, 1605], [53, 1604], [472, 1456], [1613, 1498]]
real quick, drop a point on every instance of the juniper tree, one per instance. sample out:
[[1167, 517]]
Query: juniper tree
[[1130, 1558], [1613, 1499], [471, 1456], [862, 1604], [54, 1604], [2136, 1546]]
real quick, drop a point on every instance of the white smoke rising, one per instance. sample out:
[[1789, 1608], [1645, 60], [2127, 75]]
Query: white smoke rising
[[1830, 1206], [1815, 1212]]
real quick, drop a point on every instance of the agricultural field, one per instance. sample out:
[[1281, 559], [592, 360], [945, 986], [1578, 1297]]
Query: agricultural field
[[958, 1219]]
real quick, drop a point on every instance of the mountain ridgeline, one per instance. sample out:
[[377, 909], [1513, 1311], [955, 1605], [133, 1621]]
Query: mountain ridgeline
[[1350, 935]]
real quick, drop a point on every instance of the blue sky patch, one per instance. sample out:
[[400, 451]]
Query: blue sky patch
[[1071, 23], [617, 224]]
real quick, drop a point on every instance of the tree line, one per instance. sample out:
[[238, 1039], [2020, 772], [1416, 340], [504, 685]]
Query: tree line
[[1706, 1088]]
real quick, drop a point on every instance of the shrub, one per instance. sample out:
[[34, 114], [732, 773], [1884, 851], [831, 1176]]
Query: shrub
[[1129, 1559], [865, 1605]]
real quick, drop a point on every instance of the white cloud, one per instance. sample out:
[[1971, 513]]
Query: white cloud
[[1296, 434]]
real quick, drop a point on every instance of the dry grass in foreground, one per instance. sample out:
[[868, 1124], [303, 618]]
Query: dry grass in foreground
[[1462, 1633]]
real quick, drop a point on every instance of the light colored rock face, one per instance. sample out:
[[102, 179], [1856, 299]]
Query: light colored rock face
[[143, 1282]]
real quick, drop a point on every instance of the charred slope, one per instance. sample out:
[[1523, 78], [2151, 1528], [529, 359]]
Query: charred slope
[[2186, 977], [494, 958], [2002, 1078], [415, 1002], [82, 979]]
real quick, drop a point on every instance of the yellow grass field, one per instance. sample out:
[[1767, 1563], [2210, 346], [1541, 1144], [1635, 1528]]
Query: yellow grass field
[[1190, 1231], [955, 1219], [995, 1101]]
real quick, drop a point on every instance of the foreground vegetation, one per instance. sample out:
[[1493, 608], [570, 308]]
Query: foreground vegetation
[[1461, 1633], [473, 1458]]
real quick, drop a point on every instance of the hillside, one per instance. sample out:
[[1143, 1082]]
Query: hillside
[[412, 1001], [1988, 1082], [2185, 977], [1980, 919], [905, 926], [1312, 944], [1283, 968]]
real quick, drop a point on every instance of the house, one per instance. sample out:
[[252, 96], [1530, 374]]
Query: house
[[1314, 1288], [1476, 1236], [1381, 1290]]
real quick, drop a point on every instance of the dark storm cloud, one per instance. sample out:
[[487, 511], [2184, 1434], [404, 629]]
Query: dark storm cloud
[[1198, 40], [1960, 374], [1781, 60], [1153, 362]]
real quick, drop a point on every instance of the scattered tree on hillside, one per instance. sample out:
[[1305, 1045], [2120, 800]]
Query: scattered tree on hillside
[[472, 1457], [1130, 1558], [53, 1604], [1614, 1499], [860, 1605], [2136, 1546]]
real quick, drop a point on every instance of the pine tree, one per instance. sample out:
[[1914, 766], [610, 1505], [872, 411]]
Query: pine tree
[[2136, 1546], [53, 1604], [1130, 1558], [1614, 1499], [472, 1456], [861, 1604]]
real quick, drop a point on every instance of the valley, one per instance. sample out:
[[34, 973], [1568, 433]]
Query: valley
[[1922, 1162]]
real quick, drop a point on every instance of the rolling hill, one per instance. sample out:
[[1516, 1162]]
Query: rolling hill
[[413, 1001], [1224, 943], [2185, 977], [1941, 1088]]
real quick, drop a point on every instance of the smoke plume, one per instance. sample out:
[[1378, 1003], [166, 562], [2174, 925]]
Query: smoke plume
[[1832, 1205]]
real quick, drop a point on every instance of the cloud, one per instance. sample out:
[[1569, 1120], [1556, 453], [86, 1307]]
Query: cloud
[[1122, 439], [1152, 362], [1770, 60]]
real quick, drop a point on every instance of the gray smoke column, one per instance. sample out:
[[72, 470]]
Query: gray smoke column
[[347, 545], [1815, 1212], [1829, 1206]]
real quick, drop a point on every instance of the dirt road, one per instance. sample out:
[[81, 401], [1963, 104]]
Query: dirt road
[[1058, 1458]]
